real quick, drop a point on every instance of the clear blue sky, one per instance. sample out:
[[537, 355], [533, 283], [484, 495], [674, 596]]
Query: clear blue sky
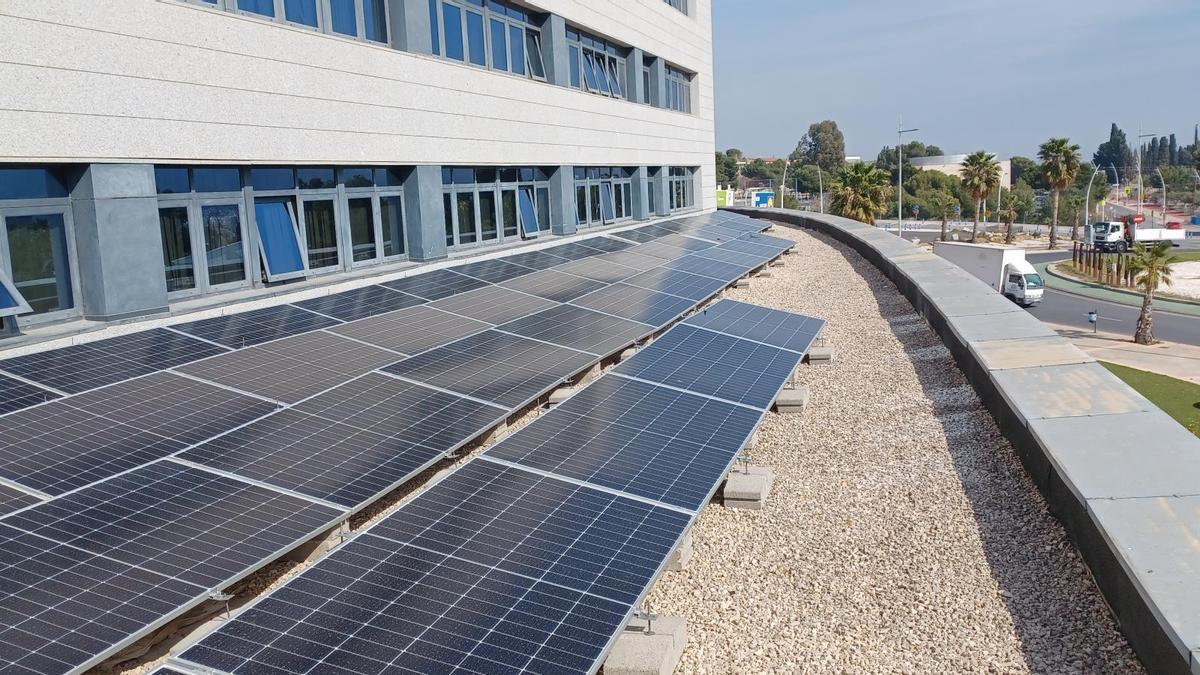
[[1000, 75]]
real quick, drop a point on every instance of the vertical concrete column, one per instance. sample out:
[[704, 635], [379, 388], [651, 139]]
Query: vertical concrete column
[[641, 196], [424, 215], [633, 75], [554, 51], [661, 188], [410, 26], [118, 242], [658, 83], [562, 201]]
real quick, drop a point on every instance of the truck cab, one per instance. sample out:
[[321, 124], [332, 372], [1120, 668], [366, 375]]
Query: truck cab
[[1111, 236], [1121, 235], [1022, 284]]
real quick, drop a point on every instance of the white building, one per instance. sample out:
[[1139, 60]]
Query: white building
[[952, 165], [156, 150]]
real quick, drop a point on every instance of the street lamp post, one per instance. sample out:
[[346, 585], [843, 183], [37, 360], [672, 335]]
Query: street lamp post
[[1087, 199], [900, 179], [1141, 185], [821, 186], [1164, 199]]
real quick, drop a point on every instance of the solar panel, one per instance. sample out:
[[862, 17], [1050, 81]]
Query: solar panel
[[786, 330], [172, 406], [579, 328], [491, 570], [493, 271], [12, 499], [675, 282], [360, 303], [637, 304], [537, 260], [554, 285], [15, 394], [606, 244], [412, 330], [493, 304], [494, 366], [574, 251], [179, 521], [643, 234], [256, 326], [638, 438], [599, 270], [707, 267], [714, 364], [294, 368], [631, 259], [65, 609], [663, 251], [746, 261], [436, 285], [93, 364], [718, 233], [756, 246]]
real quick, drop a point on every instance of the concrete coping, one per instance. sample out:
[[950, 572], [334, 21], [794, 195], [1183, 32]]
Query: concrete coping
[[1121, 475]]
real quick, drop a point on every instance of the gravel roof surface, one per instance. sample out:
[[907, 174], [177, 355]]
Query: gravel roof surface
[[902, 534]]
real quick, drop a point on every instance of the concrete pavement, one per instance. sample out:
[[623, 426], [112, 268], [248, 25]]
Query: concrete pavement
[[1166, 358]]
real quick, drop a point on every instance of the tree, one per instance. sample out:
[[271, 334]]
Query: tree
[[1060, 165], [1007, 213], [726, 169], [913, 149], [1027, 170], [1114, 152], [1151, 267], [1172, 151], [939, 203], [823, 145], [980, 175], [735, 154], [860, 191]]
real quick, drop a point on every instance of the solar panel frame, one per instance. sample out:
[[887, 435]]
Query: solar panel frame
[[494, 304], [360, 303], [748, 261], [413, 330], [554, 285], [672, 360], [12, 499], [17, 394], [436, 285], [785, 330], [89, 365], [294, 368], [579, 328], [637, 304], [754, 247], [498, 367], [246, 329]]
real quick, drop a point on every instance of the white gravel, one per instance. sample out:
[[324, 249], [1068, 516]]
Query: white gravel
[[902, 534]]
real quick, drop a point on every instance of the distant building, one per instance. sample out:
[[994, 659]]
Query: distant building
[[952, 165]]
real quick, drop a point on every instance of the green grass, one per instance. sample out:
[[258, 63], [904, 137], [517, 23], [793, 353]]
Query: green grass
[[1186, 256], [1177, 398]]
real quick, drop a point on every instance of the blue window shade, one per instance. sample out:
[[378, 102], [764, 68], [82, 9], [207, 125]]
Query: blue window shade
[[172, 180], [264, 7], [277, 235], [301, 11], [589, 74], [573, 54], [345, 21], [499, 45], [516, 41], [476, 44], [217, 179], [11, 301], [270, 178], [375, 20], [452, 17], [433, 27], [529, 221], [606, 203]]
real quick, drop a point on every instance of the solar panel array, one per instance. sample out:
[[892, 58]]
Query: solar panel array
[[531, 557], [175, 459]]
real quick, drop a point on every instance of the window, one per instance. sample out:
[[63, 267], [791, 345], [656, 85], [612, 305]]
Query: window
[[679, 90], [359, 19], [200, 209], [34, 253], [681, 187], [12, 302], [488, 33], [489, 203], [603, 195], [177, 248], [680, 5], [598, 64], [279, 241]]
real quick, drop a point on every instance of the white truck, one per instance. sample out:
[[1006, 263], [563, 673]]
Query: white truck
[[1004, 268], [1121, 235]]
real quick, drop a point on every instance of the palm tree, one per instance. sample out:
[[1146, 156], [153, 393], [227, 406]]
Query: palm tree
[[860, 191], [1151, 267], [980, 175], [1008, 215], [1060, 165], [940, 204]]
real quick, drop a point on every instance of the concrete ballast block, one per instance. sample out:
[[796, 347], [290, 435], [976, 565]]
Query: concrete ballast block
[[764, 274], [681, 556], [792, 401], [820, 354], [778, 262], [748, 488], [742, 283], [627, 354], [561, 394], [657, 652]]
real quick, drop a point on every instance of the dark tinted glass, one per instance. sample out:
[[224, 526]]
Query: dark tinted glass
[[168, 180], [315, 178], [217, 179], [273, 178], [358, 177]]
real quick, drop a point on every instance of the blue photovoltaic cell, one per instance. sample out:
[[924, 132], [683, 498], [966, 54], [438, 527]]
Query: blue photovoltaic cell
[[93, 364], [360, 303], [747, 261], [256, 326], [15, 394], [715, 269], [492, 570], [637, 304], [638, 438], [714, 364], [277, 235], [786, 330], [12, 499], [675, 282], [436, 285]]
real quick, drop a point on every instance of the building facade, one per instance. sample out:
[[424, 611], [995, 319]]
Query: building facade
[[153, 151], [952, 165]]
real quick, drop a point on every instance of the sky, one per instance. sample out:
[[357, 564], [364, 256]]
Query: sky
[[996, 75]]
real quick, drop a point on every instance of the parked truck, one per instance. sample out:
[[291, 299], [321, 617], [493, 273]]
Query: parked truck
[[1121, 235], [1004, 268]]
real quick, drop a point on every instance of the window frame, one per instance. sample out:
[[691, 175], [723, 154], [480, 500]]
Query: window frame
[[604, 61], [324, 17], [59, 206], [602, 181], [491, 11], [498, 187], [377, 194]]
